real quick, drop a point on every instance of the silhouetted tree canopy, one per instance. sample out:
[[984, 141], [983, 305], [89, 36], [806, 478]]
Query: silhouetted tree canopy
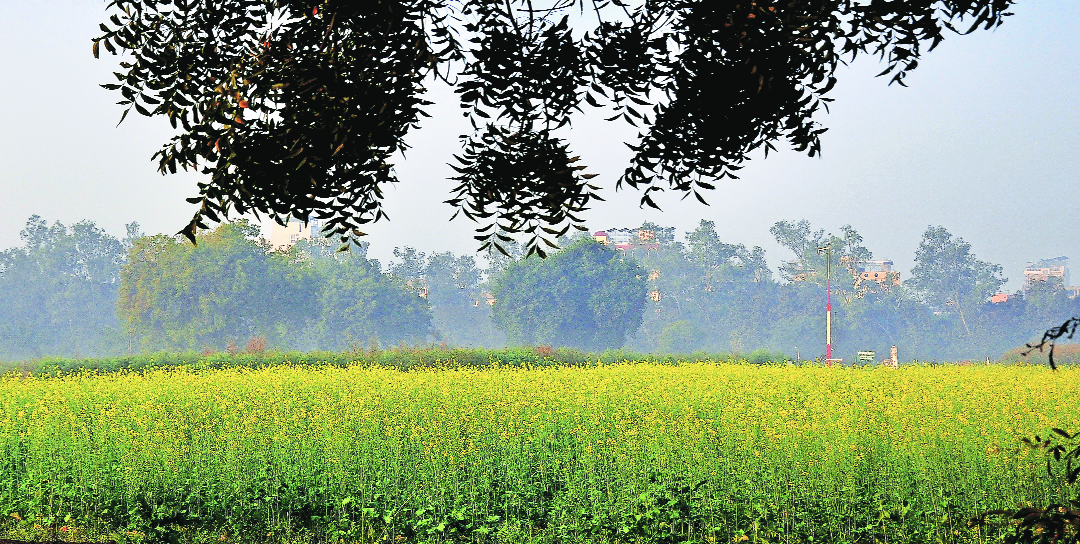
[[297, 108]]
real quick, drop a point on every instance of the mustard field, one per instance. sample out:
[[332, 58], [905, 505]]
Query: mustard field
[[695, 452]]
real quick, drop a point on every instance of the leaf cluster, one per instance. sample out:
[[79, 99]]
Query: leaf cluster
[[298, 107]]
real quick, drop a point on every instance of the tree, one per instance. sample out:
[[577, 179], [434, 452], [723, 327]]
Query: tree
[[586, 296], [231, 287], [410, 268], [810, 261], [460, 313], [358, 304], [733, 292], [949, 278], [1047, 301], [296, 107], [58, 291], [226, 290], [804, 243]]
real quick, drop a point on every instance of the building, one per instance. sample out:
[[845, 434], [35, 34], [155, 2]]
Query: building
[[624, 239], [485, 298], [284, 236], [867, 272], [998, 298], [879, 271], [1045, 269]]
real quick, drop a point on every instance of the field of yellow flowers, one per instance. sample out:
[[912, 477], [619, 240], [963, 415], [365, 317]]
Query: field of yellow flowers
[[693, 452]]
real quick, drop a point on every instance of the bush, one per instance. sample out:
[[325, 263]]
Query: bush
[[402, 358]]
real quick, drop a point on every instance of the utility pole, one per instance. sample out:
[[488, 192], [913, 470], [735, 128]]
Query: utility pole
[[827, 250]]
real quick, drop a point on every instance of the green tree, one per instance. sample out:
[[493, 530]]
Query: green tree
[[586, 296], [296, 108], [226, 290], [1048, 302], [460, 313], [58, 291], [950, 279], [673, 287], [359, 304], [706, 294], [810, 263], [231, 287], [409, 268]]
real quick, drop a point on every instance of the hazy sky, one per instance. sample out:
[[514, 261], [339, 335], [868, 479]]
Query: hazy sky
[[985, 142]]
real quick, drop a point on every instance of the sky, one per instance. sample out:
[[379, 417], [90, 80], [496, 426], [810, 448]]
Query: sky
[[984, 141]]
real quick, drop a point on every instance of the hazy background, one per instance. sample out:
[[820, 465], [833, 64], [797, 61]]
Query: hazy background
[[984, 142]]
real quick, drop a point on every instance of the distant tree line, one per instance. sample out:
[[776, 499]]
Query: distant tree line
[[715, 296], [77, 291]]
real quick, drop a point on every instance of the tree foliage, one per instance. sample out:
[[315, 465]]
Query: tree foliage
[[461, 314], [359, 305], [59, 288], [949, 277], [809, 246], [586, 296], [231, 287], [297, 108], [227, 289], [58, 291]]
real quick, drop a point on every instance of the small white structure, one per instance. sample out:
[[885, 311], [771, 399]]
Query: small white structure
[[284, 236]]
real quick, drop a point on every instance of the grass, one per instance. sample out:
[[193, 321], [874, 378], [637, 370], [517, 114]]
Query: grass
[[646, 452]]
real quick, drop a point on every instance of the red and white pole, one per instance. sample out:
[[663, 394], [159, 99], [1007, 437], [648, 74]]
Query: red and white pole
[[828, 306]]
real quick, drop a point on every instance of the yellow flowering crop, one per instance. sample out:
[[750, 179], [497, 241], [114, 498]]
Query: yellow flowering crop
[[549, 454]]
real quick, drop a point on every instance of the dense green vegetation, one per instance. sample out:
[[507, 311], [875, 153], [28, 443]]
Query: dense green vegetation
[[77, 292], [688, 452], [717, 296], [400, 358], [587, 296]]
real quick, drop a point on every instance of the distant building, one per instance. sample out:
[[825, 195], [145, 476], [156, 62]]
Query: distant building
[[624, 239], [865, 272], [285, 236], [1045, 269], [998, 298], [879, 271]]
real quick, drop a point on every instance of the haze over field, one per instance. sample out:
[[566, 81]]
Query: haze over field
[[983, 142]]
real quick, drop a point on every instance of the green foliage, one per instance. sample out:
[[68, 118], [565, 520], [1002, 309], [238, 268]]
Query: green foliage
[[699, 295], [679, 336], [586, 296], [810, 262], [718, 296], [358, 304], [461, 315], [58, 291], [401, 358], [764, 356], [295, 108], [712, 295], [949, 277], [230, 288]]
